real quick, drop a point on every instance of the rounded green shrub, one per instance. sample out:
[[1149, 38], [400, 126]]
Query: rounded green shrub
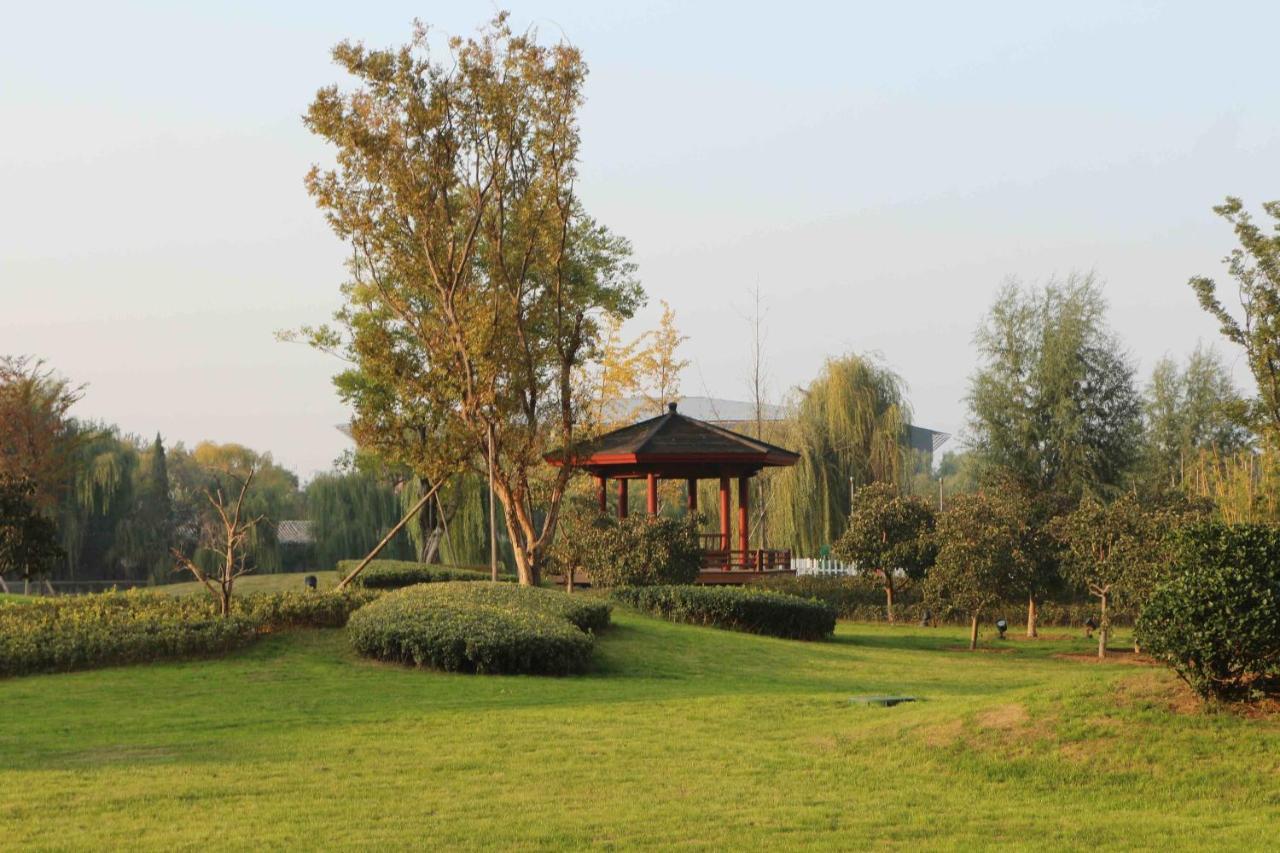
[[397, 574], [641, 550], [586, 613], [1217, 622], [481, 628], [755, 611]]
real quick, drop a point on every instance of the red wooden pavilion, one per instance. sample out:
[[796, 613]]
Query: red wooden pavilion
[[674, 447]]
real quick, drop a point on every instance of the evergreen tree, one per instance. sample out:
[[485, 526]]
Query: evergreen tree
[[156, 513]]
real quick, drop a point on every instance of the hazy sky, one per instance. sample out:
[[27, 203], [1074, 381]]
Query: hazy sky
[[877, 168]]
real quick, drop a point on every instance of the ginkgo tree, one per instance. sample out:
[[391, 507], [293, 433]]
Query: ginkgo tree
[[478, 281]]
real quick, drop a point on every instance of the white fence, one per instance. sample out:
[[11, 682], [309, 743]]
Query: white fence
[[822, 567]]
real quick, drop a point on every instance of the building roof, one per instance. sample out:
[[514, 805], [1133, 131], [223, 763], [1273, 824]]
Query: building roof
[[675, 445], [294, 532]]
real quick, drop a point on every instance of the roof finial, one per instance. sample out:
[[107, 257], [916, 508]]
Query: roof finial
[[671, 407]]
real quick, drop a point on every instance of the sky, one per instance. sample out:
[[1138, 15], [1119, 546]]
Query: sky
[[876, 169]]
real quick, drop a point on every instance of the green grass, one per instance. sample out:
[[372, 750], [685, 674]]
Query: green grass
[[280, 582], [682, 736], [15, 598]]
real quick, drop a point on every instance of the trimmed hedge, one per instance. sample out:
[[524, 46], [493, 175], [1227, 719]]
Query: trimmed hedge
[[397, 574], [1217, 623], [114, 628], [755, 611], [280, 611], [82, 632], [477, 628]]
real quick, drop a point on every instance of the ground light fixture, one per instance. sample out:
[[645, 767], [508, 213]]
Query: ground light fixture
[[1002, 626]]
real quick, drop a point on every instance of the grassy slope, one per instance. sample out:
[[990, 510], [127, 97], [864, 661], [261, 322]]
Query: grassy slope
[[683, 735], [281, 582]]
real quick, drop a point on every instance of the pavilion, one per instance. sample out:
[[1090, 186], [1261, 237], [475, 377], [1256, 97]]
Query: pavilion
[[675, 447]]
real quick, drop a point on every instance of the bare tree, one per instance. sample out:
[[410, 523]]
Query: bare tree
[[227, 532]]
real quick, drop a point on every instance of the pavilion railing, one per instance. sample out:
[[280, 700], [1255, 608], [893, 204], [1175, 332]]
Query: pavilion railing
[[750, 560]]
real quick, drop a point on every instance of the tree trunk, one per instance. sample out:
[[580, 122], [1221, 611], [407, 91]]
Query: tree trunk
[[973, 633], [225, 600], [1033, 617], [1103, 625], [888, 596]]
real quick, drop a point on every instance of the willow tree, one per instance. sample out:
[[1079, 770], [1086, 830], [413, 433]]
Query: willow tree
[[849, 429], [477, 279]]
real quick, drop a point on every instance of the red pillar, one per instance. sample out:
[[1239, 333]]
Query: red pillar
[[652, 494], [744, 522], [604, 495], [693, 496], [724, 513], [622, 498]]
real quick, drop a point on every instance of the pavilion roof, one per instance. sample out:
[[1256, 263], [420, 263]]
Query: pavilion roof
[[678, 445]]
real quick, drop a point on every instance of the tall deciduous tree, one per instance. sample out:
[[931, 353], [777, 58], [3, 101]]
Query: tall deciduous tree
[[1188, 411], [1255, 266], [1054, 411], [888, 532], [982, 557], [477, 279], [1054, 402], [38, 437], [659, 366]]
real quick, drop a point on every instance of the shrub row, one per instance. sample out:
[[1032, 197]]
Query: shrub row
[[397, 574], [756, 611], [480, 628], [113, 628]]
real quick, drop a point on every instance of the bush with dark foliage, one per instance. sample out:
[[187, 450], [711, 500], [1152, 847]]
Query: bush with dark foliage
[[641, 550], [1217, 622]]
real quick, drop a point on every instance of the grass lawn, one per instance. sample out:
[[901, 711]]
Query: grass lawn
[[14, 598], [280, 582], [683, 736]]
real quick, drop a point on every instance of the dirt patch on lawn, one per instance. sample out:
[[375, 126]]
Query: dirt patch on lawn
[[1157, 690], [943, 734], [1004, 718]]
